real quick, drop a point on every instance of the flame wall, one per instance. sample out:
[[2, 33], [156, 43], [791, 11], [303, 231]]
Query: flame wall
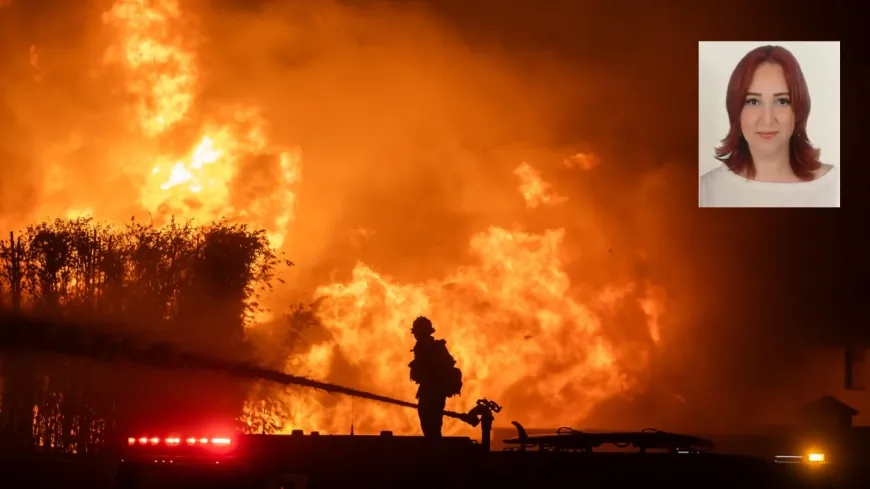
[[406, 167]]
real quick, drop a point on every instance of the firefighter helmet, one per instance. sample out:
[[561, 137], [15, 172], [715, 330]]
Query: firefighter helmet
[[422, 325]]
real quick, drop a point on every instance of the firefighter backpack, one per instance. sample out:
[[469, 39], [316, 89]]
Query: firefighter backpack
[[453, 382], [452, 375]]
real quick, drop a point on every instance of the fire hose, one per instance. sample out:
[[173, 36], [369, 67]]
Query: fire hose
[[67, 337]]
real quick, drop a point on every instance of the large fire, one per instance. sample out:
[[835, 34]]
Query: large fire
[[511, 320], [232, 146]]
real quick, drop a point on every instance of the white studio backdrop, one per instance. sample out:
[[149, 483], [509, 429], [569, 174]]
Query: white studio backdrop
[[820, 63]]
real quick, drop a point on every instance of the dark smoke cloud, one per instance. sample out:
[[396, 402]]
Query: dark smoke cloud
[[412, 117]]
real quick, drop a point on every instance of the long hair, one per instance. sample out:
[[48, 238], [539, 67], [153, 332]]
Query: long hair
[[734, 151]]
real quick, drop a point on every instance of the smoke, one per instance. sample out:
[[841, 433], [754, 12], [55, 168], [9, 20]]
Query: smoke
[[413, 118], [63, 117]]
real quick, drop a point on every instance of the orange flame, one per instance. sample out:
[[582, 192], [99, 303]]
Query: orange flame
[[163, 75], [512, 320], [584, 161], [210, 181], [534, 189]]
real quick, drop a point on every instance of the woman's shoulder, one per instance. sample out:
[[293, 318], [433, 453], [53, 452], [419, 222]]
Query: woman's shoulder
[[823, 170], [715, 175]]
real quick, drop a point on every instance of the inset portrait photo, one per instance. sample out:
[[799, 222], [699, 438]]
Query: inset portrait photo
[[769, 124]]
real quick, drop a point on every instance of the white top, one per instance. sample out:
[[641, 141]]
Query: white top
[[723, 188]]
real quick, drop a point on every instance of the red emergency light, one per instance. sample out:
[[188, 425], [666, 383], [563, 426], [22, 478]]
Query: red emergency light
[[174, 441]]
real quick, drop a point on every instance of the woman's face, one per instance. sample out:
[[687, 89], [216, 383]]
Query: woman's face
[[767, 120]]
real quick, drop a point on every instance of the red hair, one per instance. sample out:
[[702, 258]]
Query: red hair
[[734, 152]]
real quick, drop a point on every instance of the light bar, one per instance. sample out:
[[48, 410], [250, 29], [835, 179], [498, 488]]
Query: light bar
[[175, 440]]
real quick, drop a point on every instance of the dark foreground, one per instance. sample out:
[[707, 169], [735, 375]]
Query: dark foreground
[[409, 462]]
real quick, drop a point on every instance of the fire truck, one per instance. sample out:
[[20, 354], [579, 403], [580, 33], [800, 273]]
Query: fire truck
[[565, 458]]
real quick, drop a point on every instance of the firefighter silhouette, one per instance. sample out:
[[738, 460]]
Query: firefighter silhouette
[[434, 369]]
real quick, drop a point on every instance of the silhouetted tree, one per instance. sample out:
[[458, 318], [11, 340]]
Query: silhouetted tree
[[197, 286], [17, 397]]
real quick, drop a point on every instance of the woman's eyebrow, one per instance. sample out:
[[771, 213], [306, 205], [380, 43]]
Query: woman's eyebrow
[[756, 94]]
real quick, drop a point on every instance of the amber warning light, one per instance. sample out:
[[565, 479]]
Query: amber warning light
[[174, 441], [816, 457]]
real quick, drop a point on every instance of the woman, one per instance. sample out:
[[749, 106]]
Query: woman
[[767, 157]]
